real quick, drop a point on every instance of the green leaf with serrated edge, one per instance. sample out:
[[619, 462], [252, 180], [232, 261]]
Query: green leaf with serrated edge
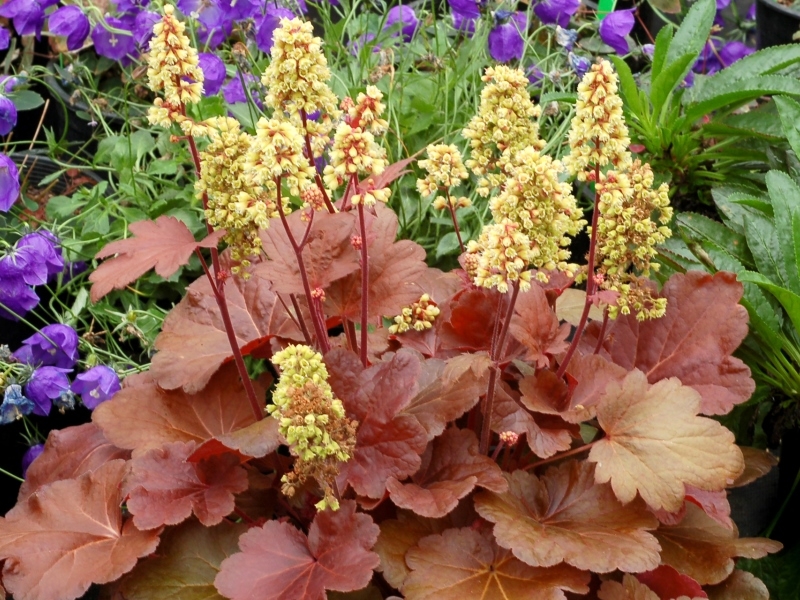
[[672, 7], [627, 85], [703, 228], [743, 91], [663, 42], [788, 299], [693, 32], [732, 211], [668, 79], [762, 239], [447, 245], [789, 111], [785, 196], [763, 62]]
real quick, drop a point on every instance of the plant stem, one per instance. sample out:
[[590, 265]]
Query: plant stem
[[602, 336], [364, 282], [300, 319], [455, 220], [557, 457], [350, 334], [310, 155]]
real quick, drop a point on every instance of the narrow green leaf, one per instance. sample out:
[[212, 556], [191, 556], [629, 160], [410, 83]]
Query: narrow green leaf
[[788, 299], [447, 245], [785, 196], [693, 32], [789, 111], [663, 42], [627, 86], [704, 229], [740, 92], [569, 97], [762, 239], [668, 80]]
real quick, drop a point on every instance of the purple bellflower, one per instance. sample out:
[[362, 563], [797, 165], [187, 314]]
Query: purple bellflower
[[214, 73], [110, 44], [404, 16], [31, 455], [70, 22], [362, 41], [506, 40], [46, 246], [464, 24], [556, 12], [55, 345], [566, 38], [8, 115], [16, 298], [25, 264], [143, 27], [9, 183], [265, 28], [614, 27], [5, 38], [46, 385], [96, 385], [14, 405], [579, 64], [27, 15], [8, 83]]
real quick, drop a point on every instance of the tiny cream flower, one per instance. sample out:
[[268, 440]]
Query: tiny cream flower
[[503, 257]]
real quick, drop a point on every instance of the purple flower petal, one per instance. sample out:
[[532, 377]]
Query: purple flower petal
[[365, 39], [265, 28], [14, 405], [535, 74], [464, 24], [405, 16], [116, 46], [723, 4], [579, 64], [31, 455], [733, 51], [8, 83], [556, 12], [143, 27], [27, 15], [25, 264], [70, 22], [47, 247], [751, 13], [566, 38], [45, 385], [649, 50], [708, 62], [5, 38], [55, 345], [233, 91], [614, 27], [466, 9], [506, 41], [213, 71], [9, 183], [8, 115], [16, 298], [96, 385]]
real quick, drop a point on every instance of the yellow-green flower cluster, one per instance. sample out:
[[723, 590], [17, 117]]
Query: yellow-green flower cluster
[[277, 151], [542, 206], [297, 76], [173, 69], [367, 110], [503, 126], [355, 153], [419, 316], [446, 170], [627, 237], [503, 257], [598, 135], [234, 203], [312, 420]]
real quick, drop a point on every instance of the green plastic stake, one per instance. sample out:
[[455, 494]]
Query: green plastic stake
[[605, 7]]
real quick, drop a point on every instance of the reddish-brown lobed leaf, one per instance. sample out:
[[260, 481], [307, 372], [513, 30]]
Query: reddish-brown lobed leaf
[[328, 254], [634, 454], [465, 564], [629, 589], [389, 443], [395, 269], [757, 463], [703, 325], [447, 390], [715, 504], [164, 244], [164, 488], [704, 550], [278, 561], [145, 416], [566, 516], [185, 565], [468, 321], [536, 326], [70, 534], [68, 454], [451, 468], [668, 584], [256, 440], [741, 585], [546, 434], [193, 343]]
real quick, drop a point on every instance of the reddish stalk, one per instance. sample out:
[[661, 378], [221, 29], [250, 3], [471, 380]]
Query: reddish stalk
[[350, 334], [310, 156], [558, 457], [364, 282], [601, 338], [300, 319], [590, 283], [222, 303], [453, 217], [319, 326]]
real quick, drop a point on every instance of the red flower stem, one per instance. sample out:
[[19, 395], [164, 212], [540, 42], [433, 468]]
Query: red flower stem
[[310, 156], [222, 304], [498, 346], [350, 334], [319, 328], [601, 338], [210, 277], [243, 515], [558, 457], [364, 282], [455, 220], [300, 319], [308, 231], [497, 449], [590, 283]]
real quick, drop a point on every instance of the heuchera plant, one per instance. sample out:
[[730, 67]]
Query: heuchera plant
[[435, 435]]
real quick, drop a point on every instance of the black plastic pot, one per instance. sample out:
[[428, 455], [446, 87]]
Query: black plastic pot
[[753, 506], [775, 23]]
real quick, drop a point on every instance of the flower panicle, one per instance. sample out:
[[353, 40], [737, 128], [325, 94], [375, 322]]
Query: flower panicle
[[445, 170], [503, 257], [419, 316]]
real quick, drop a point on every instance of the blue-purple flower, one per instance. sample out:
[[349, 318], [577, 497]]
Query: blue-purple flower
[[31, 455], [716, 56], [5, 38], [8, 83], [556, 12], [55, 345], [579, 64], [265, 28], [70, 22], [466, 8], [96, 385], [365, 39], [8, 115], [47, 247], [506, 40], [566, 38], [110, 44], [234, 92], [25, 264], [16, 298], [405, 17], [9, 182], [46, 385], [143, 27], [213, 73], [733, 51], [27, 15], [464, 24], [14, 405], [615, 26]]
